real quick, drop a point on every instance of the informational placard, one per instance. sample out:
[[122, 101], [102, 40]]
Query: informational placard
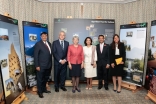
[[134, 38], [10, 59], [84, 28], [31, 35], [150, 82]]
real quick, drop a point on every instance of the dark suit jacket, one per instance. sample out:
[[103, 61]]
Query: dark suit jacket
[[42, 56], [121, 51], [103, 58], [58, 52]]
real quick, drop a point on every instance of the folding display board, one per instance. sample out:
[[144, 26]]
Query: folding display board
[[150, 82], [134, 38], [31, 35], [10, 59], [84, 28]]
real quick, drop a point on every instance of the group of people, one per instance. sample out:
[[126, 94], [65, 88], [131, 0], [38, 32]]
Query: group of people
[[96, 60]]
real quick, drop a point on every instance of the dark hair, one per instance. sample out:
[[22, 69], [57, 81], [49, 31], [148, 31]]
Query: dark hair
[[43, 33], [113, 43], [101, 36], [86, 40]]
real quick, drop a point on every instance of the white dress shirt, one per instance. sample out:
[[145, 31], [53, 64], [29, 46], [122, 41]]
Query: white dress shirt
[[101, 46], [116, 50], [61, 43]]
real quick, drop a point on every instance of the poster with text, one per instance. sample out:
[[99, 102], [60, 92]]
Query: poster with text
[[84, 28], [134, 38], [31, 35], [150, 82], [10, 59]]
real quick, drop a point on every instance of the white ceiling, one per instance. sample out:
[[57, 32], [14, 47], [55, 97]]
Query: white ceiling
[[91, 1]]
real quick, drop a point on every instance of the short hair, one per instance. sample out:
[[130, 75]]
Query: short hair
[[43, 33], [86, 40], [75, 37], [62, 32], [101, 36]]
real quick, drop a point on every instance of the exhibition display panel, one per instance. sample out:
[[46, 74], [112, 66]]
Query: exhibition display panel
[[31, 35], [10, 59], [134, 38]]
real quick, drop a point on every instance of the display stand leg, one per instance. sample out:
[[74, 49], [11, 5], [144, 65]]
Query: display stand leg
[[20, 98], [95, 83], [1, 98], [68, 83], [32, 90], [151, 96], [47, 86], [129, 86]]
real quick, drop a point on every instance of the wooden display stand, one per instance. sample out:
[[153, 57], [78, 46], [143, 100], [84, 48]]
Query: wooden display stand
[[129, 86], [68, 83], [20, 98], [94, 82], [132, 22], [34, 21], [33, 90], [7, 14], [98, 17], [69, 17], [151, 96]]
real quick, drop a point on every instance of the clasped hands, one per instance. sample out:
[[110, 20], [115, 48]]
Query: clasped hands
[[63, 61]]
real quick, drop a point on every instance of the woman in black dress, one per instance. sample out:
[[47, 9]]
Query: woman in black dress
[[117, 50]]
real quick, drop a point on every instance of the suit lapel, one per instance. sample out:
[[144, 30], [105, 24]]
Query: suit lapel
[[99, 48], [45, 46]]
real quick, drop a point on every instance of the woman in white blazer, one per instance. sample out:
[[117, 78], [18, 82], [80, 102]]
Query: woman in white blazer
[[90, 58]]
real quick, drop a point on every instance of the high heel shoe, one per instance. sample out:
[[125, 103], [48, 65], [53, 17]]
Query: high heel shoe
[[118, 91], [87, 88], [73, 91], [114, 90], [78, 90]]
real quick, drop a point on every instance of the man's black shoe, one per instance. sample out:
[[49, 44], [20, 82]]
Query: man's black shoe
[[56, 90], [99, 87], [47, 91], [106, 88], [63, 88], [40, 95]]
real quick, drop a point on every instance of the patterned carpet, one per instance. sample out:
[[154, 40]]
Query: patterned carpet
[[93, 96]]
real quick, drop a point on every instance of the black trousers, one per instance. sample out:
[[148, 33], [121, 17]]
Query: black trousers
[[60, 73], [102, 74], [42, 78]]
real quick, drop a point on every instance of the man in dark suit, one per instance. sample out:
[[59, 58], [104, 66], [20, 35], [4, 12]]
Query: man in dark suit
[[102, 63], [43, 63], [59, 50]]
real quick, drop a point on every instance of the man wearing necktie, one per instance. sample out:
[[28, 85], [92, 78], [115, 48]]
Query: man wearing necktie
[[102, 62], [43, 63], [59, 50]]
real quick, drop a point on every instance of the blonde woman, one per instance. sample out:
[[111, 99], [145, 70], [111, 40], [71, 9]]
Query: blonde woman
[[75, 58]]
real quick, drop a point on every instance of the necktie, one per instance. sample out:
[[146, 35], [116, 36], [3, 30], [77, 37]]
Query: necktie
[[47, 46], [62, 44], [101, 47]]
